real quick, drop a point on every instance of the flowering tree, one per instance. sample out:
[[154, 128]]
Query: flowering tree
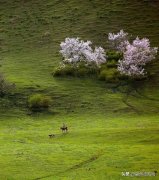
[[135, 56], [119, 41], [75, 50]]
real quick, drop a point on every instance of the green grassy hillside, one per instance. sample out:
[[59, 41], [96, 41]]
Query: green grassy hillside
[[113, 128]]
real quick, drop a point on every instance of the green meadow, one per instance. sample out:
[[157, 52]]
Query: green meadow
[[113, 127]]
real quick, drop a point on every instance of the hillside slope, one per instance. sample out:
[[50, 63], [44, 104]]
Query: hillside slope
[[32, 27], [31, 32]]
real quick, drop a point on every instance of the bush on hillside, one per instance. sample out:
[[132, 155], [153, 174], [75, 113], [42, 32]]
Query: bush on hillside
[[110, 75], [112, 64], [114, 56], [80, 70], [87, 70], [38, 102], [64, 70], [5, 87]]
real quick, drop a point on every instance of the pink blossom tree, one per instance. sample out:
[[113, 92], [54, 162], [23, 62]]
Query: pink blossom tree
[[118, 41], [136, 56]]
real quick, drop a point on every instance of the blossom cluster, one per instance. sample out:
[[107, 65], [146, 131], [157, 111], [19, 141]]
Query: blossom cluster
[[135, 55], [75, 50], [119, 41]]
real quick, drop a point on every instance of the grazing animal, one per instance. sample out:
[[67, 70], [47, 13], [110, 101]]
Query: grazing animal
[[64, 128], [51, 135]]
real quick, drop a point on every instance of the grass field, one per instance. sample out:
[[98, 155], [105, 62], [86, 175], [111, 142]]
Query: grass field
[[96, 147], [113, 128]]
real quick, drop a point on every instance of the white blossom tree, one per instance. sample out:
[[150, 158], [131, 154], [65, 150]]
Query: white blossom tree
[[99, 55], [75, 50]]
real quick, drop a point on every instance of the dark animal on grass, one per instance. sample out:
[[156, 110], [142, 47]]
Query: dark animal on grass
[[155, 173], [64, 128], [51, 135]]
